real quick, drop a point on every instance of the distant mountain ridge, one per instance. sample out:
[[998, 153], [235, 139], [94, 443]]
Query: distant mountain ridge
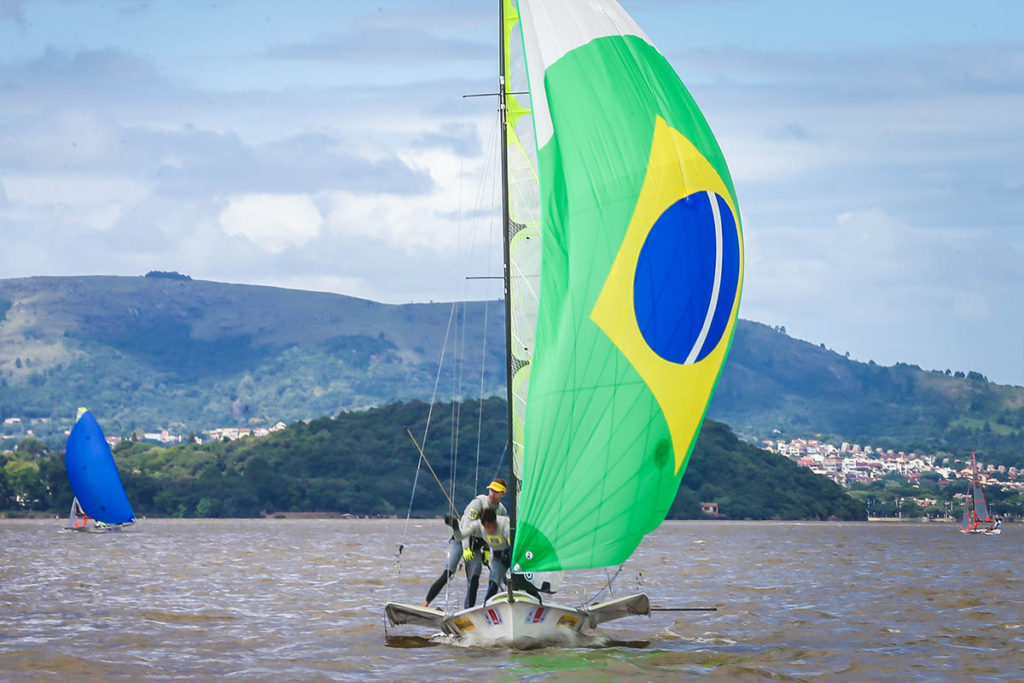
[[152, 352], [149, 352]]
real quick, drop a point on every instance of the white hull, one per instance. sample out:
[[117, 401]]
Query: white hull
[[97, 529], [523, 624]]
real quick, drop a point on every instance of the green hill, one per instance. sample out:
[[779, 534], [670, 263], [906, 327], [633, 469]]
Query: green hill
[[364, 463], [146, 353], [772, 381]]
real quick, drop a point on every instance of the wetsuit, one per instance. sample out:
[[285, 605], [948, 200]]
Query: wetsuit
[[473, 567], [500, 545]]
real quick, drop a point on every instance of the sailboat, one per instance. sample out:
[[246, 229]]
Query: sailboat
[[100, 503], [623, 257], [976, 509]]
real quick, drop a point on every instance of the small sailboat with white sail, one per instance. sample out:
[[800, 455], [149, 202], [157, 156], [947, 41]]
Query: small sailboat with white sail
[[100, 503], [623, 257]]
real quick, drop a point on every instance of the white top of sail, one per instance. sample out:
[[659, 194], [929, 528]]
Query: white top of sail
[[553, 29]]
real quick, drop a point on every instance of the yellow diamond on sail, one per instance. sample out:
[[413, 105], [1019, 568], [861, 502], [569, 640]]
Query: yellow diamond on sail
[[670, 299]]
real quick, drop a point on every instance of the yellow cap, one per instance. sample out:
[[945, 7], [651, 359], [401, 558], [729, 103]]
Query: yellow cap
[[496, 486]]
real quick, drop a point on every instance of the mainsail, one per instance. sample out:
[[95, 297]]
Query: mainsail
[[93, 473], [641, 262], [980, 506], [523, 226]]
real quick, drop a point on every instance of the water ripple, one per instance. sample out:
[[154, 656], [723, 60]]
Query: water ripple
[[302, 600]]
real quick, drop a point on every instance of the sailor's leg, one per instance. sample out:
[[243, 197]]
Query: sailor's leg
[[520, 583], [451, 564], [454, 555], [498, 569], [473, 569], [436, 587]]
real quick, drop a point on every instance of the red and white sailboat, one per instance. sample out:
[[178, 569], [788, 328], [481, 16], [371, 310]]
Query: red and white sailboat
[[977, 518]]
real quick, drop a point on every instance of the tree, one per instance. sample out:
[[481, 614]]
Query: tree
[[6, 490], [32, 447], [205, 507], [26, 487]]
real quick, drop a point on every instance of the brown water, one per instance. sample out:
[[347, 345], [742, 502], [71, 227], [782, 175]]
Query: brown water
[[303, 600]]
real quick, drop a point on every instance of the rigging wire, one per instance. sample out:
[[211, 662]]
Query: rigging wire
[[458, 356], [480, 402], [607, 586], [451, 505]]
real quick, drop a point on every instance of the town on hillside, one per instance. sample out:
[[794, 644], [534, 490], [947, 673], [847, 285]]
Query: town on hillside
[[16, 427], [851, 464]]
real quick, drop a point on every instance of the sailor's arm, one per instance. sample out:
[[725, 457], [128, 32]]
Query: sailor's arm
[[470, 530], [471, 513], [466, 519]]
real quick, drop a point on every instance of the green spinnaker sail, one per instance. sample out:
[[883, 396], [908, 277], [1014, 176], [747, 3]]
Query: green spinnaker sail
[[641, 270]]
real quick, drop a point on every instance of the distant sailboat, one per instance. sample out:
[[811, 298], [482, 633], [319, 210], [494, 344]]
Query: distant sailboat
[[623, 262], [100, 502], [976, 509]]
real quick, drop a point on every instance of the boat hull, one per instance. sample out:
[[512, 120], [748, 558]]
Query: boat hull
[[526, 623], [97, 529]]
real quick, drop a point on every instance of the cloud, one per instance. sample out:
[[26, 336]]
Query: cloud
[[459, 138], [272, 222], [193, 161], [13, 11], [62, 77], [410, 223], [410, 35], [880, 184], [74, 200], [397, 46]]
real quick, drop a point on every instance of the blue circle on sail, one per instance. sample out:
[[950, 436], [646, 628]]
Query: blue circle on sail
[[683, 294]]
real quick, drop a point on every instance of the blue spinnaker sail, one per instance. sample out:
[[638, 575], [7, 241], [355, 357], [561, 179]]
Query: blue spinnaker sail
[[93, 474]]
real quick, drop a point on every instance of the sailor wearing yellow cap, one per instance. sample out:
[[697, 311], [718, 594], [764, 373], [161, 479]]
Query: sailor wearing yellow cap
[[473, 553]]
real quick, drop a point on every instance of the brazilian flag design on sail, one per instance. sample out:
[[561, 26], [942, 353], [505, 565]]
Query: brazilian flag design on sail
[[641, 273]]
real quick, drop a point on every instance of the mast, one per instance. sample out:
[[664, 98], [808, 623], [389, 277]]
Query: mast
[[974, 488], [506, 246], [507, 271]]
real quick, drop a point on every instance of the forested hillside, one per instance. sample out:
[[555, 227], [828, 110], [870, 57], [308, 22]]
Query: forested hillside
[[168, 352], [365, 464], [773, 381], [149, 353]]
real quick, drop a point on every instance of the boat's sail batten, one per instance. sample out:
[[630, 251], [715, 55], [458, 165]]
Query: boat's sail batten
[[641, 268], [524, 228]]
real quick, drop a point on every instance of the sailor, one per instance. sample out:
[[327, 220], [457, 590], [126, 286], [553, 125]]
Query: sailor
[[494, 530], [474, 559]]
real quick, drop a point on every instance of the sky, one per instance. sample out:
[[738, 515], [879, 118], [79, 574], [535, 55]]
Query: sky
[[877, 150]]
